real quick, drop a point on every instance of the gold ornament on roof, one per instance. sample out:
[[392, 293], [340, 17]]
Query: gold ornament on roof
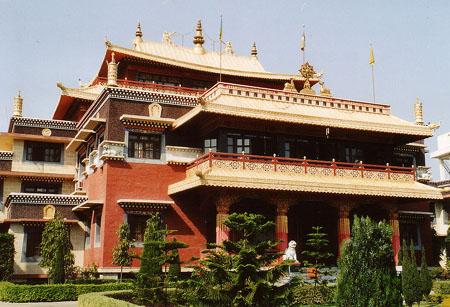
[[324, 91], [18, 104], [307, 72], [290, 86], [198, 39], [418, 112], [138, 36]]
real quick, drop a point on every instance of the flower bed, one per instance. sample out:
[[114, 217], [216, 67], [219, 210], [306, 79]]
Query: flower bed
[[10, 292]]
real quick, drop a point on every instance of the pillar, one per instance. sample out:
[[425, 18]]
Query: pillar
[[281, 225], [393, 221], [223, 209], [343, 225]]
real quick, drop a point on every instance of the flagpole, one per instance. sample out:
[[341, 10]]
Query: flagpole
[[302, 44], [220, 50], [373, 83]]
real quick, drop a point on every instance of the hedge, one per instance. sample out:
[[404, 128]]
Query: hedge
[[105, 299], [10, 292], [312, 295], [6, 255], [441, 287]]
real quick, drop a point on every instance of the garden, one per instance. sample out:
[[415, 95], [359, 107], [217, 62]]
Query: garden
[[248, 271]]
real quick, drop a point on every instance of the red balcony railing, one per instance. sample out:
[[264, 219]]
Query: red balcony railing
[[155, 87], [290, 166]]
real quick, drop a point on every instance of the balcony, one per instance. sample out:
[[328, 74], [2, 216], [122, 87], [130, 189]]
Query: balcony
[[302, 175]]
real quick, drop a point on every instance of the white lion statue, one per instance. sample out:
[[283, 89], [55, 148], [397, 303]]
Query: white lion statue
[[290, 253]]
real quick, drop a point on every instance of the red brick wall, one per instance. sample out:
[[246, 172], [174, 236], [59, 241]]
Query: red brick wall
[[120, 180]]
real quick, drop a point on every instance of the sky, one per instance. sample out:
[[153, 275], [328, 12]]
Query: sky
[[43, 42]]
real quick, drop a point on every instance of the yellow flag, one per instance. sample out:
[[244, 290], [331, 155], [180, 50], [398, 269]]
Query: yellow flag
[[221, 30], [372, 57]]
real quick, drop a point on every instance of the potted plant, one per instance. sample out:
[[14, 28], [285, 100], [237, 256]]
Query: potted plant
[[316, 252]]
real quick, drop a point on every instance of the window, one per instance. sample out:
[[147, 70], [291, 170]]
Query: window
[[158, 79], [353, 154], [41, 187], [137, 224], [46, 152], [238, 144], [210, 144], [33, 239], [144, 146], [1, 194], [296, 148], [87, 239], [98, 225], [410, 230]]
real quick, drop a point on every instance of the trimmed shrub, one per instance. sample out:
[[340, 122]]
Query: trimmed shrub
[[10, 292], [6, 255], [312, 295], [411, 289], [426, 283], [105, 299]]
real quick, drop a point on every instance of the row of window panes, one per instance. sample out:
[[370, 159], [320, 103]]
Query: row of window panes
[[144, 146], [44, 152]]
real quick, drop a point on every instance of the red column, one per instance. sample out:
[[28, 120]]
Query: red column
[[343, 225], [281, 225], [222, 231], [393, 220]]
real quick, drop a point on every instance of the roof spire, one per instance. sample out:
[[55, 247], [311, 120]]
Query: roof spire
[[18, 103], [418, 112], [198, 39], [138, 36], [254, 51]]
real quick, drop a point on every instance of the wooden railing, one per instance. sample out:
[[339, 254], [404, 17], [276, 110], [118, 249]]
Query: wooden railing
[[291, 166], [155, 87]]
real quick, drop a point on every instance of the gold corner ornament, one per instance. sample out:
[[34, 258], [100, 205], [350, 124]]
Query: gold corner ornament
[[290, 86]]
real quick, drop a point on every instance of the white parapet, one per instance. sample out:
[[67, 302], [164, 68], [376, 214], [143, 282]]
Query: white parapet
[[182, 155]]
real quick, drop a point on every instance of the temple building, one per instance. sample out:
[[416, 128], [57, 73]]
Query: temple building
[[196, 135]]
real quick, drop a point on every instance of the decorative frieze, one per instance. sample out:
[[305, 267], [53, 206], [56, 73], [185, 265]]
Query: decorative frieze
[[111, 150], [150, 96], [6, 155], [44, 123], [38, 199]]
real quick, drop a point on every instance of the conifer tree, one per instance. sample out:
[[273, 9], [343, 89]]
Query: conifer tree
[[150, 280], [426, 282], [232, 274], [367, 275], [316, 252], [122, 256], [56, 241], [410, 276]]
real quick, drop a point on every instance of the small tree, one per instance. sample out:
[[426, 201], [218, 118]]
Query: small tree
[[121, 254], [175, 265], [426, 282], [367, 275], [6, 255], [241, 273], [410, 276], [317, 253], [56, 243]]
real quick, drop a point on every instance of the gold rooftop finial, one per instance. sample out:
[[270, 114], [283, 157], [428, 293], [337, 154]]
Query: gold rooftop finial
[[254, 51], [138, 36], [418, 112], [18, 103], [198, 39], [290, 86]]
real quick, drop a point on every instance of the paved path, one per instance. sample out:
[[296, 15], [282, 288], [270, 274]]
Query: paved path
[[46, 304]]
